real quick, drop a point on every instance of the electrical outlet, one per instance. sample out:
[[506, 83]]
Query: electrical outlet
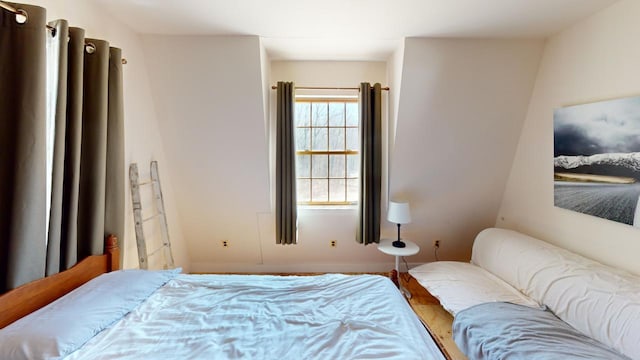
[[225, 243], [436, 244], [333, 243]]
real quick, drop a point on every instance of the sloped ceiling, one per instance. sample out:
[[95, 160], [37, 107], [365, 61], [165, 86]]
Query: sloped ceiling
[[350, 29]]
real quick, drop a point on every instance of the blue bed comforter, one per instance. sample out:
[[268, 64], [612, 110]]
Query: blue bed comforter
[[508, 331]]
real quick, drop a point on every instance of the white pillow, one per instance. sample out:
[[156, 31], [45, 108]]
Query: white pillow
[[461, 285], [514, 257], [63, 326]]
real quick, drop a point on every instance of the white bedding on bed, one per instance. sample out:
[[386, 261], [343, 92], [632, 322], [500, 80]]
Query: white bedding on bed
[[459, 286], [597, 300], [62, 326], [268, 317]]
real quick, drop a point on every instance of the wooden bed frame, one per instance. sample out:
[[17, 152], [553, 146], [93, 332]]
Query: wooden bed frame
[[32, 296]]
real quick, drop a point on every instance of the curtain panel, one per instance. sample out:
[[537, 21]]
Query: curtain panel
[[61, 146], [368, 230], [286, 202], [22, 147]]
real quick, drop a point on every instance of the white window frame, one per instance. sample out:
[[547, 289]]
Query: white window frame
[[387, 144], [306, 150]]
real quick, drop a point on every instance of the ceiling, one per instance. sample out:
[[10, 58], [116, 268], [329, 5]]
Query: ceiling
[[350, 29]]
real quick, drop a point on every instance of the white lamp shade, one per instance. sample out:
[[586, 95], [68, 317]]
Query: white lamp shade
[[399, 213]]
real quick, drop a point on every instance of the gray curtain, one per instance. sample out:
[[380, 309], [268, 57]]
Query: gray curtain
[[115, 189], [370, 164], [286, 203], [93, 157], [53, 75], [22, 147], [57, 113], [68, 248]]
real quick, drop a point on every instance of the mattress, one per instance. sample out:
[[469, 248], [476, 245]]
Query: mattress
[[267, 317]]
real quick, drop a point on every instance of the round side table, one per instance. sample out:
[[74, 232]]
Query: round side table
[[386, 247]]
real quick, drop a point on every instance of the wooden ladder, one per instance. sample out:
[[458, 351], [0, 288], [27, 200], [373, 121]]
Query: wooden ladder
[[160, 215]]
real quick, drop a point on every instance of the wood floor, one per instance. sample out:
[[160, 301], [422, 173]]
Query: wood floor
[[437, 320]]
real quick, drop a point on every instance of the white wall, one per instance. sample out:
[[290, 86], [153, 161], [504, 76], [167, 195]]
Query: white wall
[[394, 73], [265, 71], [329, 73], [595, 59], [210, 97], [142, 140], [208, 93], [317, 226], [460, 113]]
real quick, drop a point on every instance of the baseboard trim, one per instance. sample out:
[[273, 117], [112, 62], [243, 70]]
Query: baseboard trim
[[202, 267]]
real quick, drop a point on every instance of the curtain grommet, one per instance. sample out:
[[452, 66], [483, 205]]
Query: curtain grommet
[[90, 48], [22, 16], [53, 30]]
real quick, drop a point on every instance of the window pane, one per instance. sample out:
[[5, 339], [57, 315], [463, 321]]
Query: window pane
[[320, 166], [303, 138], [336, 114], [336, 166], [353, 187], [319, 190], [353, 166], [352, 114], [319, 114], [303, 190], [353, 139], [336, 138], [337, 190], [303, 166], [327, 126], [303, 113], [320, 138]]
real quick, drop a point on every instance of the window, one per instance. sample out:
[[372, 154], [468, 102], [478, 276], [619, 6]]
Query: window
[[327, 150]]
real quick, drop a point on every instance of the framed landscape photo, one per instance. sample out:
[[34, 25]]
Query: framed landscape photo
[[597, 159]]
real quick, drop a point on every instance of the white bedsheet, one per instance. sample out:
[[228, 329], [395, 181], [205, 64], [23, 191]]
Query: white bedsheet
[[267, 317]]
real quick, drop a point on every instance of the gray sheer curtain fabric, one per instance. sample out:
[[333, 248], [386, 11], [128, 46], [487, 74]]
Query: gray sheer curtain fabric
[[63, 187], [370, 164], [286, 203]]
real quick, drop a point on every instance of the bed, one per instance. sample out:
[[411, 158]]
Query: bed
[[134, 314], [523, 298]]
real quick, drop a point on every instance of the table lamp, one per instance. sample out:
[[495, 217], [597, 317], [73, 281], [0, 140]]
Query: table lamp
[[399, 213]]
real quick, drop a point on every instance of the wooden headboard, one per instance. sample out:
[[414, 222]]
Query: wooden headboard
[[30, 297]]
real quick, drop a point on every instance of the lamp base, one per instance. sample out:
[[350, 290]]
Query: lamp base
[[398, 244]]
